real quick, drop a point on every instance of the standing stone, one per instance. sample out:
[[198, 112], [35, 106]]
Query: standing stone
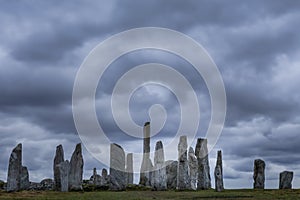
[[64, 171], [219, 186], [129, 168], [76, 169], [183, 179], [59, 157], [159, 173], [14, 169], [24, 179], [96, 178], [193, 166], [259, 174], [204, 180], [146, 168], [117, 168], [285, 180], [104, 178], [171, 169]]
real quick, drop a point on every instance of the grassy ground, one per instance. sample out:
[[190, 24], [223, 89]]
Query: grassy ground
[[107, 195]]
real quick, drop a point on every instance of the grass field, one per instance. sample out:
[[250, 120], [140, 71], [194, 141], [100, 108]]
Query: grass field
[[209, 194]]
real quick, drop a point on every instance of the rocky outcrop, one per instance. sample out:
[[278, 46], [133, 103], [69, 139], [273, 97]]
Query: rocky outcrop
[[159, 173], [171, 170], [204, 180], [14, 169], [219, 186], [183, 180], [146, 168], [259, 174], [76, 169], [47, 184], [193, 166], [117, 168], [59, 157], [285, 180]]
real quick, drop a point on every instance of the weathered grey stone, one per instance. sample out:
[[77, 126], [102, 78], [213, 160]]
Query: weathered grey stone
[[171, 170], [193, 166], [14, 169], [76, 169], [24, 179], [259, 174], [183, 179], [96, 178], [159, 173], [47, 184], [64, 171], [117, 168], [285, 180], [219, 186], [104, 178], [204, 180], [146, 168], [59, 157], [129, 168]]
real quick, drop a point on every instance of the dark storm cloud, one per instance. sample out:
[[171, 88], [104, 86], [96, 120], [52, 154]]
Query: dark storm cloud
[[254, 44]]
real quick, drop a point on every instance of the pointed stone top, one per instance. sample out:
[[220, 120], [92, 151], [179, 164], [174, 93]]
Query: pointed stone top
[[18, 147], [191, 150], [147, 123], [78, 147]]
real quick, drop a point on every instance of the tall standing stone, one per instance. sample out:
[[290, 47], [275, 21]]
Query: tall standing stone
[[64, 172], [160, 175], [285, 180], [146, 168], [259, 174], [183, 180], [117, 168], [14, 169], [204, 180], [129, 168], [59, 157], [171, 170], [219, 186], [76, 169], [193, 166], [24, 179]]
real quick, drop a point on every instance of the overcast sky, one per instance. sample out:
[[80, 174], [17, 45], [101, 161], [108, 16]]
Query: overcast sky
[[255, 44]]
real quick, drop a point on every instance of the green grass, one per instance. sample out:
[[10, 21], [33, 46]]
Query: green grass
[[244, 194]]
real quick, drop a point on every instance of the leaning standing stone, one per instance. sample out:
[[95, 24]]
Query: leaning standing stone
[[76, 169], [117, 168], [204, 180], [14, 169], [219, 173], [285, 180], [259, 174], [193, 166], [59, 157], [160, 176]]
